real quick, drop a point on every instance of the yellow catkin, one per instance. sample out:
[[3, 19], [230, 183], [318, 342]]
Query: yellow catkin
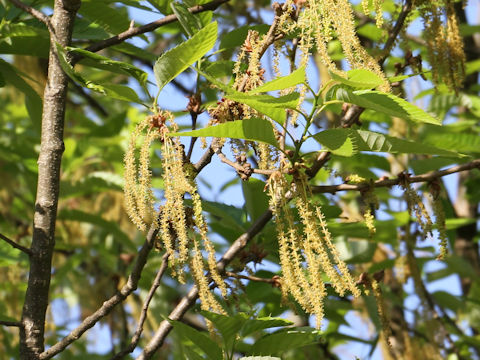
[[306, 255], [175, 219], [382, 312], [439, 213], [131, 191], [416, 208], [321, 20], [145, 201], [444, 42], [370, 222]]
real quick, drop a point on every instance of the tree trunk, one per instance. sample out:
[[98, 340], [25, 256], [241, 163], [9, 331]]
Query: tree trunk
[[51, 150]]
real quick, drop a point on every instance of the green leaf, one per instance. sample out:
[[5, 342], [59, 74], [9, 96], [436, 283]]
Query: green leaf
[[454, 141], [200, 339], [228, 326], [113, 20], [237, 37], [256, 201], [296, 77], [190, 23], [96, 219], [162, 5], [114, 66], [120, 92], [337, 142], [176, 60], [24, 40], [386, 103], [334, 139], [260, 358], [254, 129], [359, 79], [282, 341], [447, 300], [270, 106], [253, 325], [33, 101]]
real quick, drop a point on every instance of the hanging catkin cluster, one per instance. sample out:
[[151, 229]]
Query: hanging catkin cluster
[[306, 251], [183, 230], [323, 20], [444, 42]]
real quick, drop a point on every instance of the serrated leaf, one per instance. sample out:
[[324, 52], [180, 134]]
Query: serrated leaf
[[176, 60], [115, 91], [111, 65], [273, 107], [254, 129], [454, 141], [278, 343], [334, 139], [358, 79], [190, 23], [386, 103], [296, 77], [200, 339]]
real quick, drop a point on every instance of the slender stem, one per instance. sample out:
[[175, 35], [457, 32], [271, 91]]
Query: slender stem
[[430, 176], [15, 245], [143, 316], [40, 16], [10, 323]]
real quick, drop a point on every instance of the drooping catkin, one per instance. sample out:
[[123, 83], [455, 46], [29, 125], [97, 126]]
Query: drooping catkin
[[416, 208], [444, 42], [176, 221], [321, 21], [306, 250]]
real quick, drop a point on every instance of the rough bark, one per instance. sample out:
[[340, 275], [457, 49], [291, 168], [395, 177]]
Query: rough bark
[[49, 161]]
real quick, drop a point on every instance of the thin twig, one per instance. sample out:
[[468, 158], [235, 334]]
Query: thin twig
[[15, 245], [10, 323], [240, 168], [108, 305], [430, 176], [40, 16], [273, 281], [143, 316], [392, 37]]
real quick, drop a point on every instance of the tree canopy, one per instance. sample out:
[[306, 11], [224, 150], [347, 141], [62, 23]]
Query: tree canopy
[[235, 179]]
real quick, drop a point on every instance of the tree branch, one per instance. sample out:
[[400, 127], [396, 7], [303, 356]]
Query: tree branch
[[392, 36], [15, 245], [49, 161], [135, 31], [10, 323], [274, 281], [143, 316], [475, 164], [36, 14], [107, 307]]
